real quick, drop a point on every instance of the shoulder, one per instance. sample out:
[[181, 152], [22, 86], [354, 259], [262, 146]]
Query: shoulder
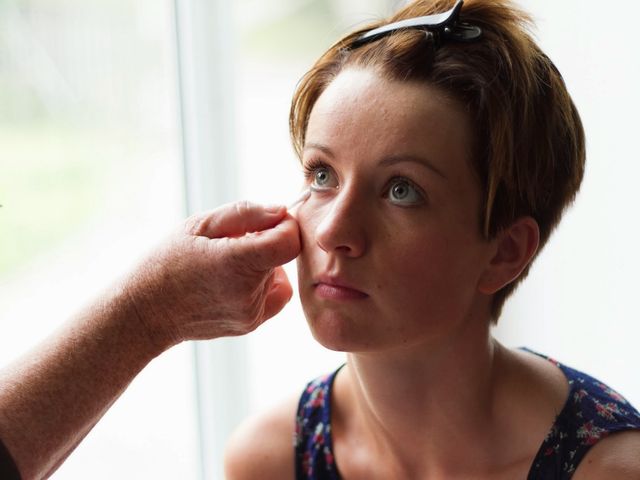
[[614, 457], [262, 447]]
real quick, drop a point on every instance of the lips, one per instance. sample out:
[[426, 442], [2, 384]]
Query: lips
[[335, 288]]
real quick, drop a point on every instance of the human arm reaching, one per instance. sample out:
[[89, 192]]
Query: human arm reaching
[[219, 275]]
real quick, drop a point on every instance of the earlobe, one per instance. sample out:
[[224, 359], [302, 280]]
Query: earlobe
[[515, 247]]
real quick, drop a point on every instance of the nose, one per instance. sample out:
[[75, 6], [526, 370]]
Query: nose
[[342, 228]]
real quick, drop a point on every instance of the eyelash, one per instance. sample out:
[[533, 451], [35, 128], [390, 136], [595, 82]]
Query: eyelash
[[313, 165]]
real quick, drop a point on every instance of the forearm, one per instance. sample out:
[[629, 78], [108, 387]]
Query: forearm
[[210, 279], [51, 398]]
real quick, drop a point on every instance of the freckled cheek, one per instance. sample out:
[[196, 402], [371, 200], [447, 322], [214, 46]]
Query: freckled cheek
[[414, 270], [307, 221]]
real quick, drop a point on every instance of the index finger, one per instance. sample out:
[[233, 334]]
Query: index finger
[[235, 220]]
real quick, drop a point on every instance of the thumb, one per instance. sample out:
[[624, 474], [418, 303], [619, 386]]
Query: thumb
[[269, 248], [235, 220]]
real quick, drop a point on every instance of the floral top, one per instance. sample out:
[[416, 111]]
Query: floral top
[[592, 411]]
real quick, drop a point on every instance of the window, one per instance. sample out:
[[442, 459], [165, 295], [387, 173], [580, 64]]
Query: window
[[90, 179]]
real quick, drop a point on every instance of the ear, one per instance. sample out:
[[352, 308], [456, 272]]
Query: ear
[[515, 247]]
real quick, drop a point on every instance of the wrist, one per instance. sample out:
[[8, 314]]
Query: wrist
[[144, 317]]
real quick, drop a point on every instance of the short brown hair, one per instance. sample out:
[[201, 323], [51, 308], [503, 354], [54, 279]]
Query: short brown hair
[[529, 142]]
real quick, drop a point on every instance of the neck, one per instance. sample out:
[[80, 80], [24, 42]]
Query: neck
[[427, 401]]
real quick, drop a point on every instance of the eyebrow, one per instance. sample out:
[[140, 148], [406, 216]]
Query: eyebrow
[[393, 159], [319, 146], [386, 161]]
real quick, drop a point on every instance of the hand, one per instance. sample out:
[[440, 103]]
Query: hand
[[220, 275]]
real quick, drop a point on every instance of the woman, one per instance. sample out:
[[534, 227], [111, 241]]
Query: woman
[[440, 153]]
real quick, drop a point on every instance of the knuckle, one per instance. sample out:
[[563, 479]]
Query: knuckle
[[243, 207], [192, 225], [208, 226]]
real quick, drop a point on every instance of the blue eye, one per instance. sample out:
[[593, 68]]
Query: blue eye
[[403, 192], [320, 176]]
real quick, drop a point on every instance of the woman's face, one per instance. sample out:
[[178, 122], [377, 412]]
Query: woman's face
[[392, 251]]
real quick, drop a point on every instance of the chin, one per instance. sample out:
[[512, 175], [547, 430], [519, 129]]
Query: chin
[[329, 332], [339, 333]]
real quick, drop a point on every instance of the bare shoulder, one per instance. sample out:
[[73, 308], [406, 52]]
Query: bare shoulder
[[614, 457], [262, 447]]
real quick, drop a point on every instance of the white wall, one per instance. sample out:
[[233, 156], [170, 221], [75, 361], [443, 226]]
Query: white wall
[[580, 302]]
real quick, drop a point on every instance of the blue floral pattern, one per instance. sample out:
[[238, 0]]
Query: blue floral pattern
[[592, 411], [312, 439]]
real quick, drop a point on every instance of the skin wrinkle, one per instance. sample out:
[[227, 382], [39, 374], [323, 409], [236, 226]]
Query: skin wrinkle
[[185, 289]]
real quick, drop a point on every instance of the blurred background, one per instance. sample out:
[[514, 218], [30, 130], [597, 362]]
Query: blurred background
[[118, 118]]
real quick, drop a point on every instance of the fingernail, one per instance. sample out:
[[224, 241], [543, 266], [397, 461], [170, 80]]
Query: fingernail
[[273, 208]]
